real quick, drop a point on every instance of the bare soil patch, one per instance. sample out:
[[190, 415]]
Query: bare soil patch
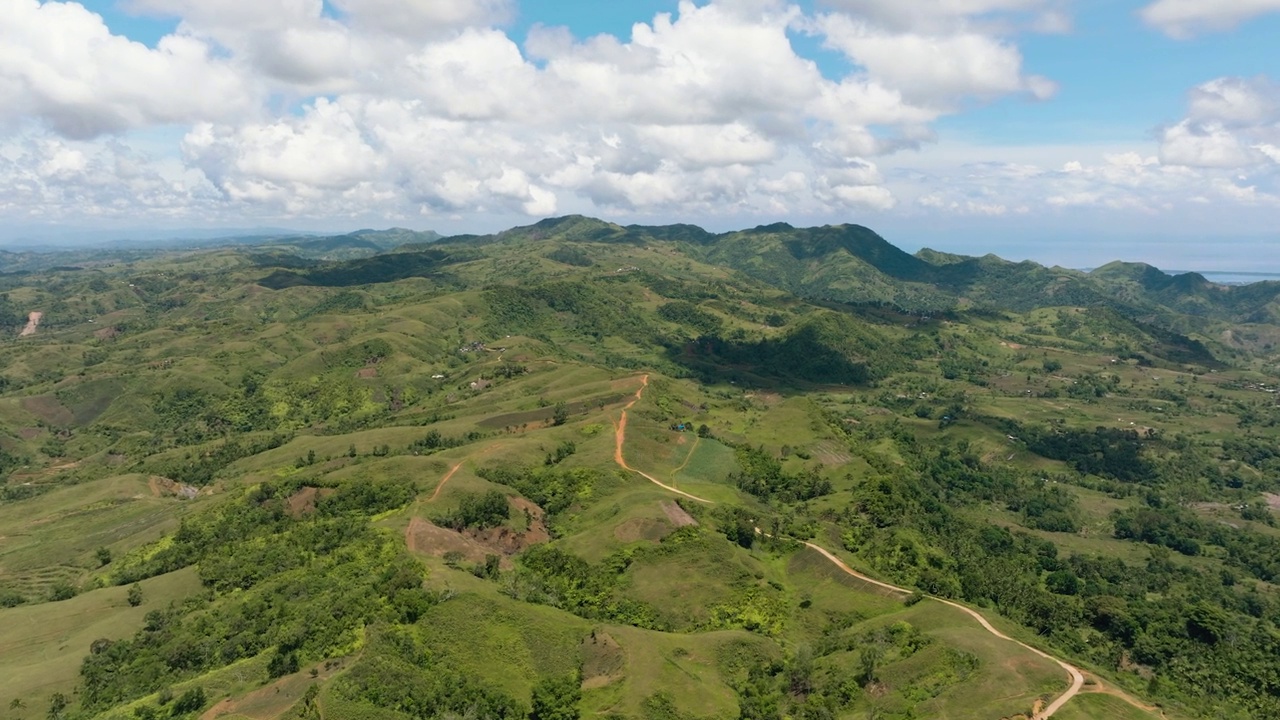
[[424, 536], [48, 409], [544, 414], [511, 542], [304, 501], [1096, 685], [33, 321], [677, 514], [367, 373], [275, 699], [165, 487], [637, 529], [603, 660], [106, 333], [1273, 500]]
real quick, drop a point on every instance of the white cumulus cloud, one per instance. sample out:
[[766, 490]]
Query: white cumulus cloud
[[288, 109], [1185, 18], [1231, 122], [59, 63]]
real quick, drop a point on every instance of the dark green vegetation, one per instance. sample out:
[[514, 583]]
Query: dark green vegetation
[[373, 476]]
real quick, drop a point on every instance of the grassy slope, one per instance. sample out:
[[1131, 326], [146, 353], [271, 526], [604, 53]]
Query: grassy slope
[[41, 646], [53, 536]]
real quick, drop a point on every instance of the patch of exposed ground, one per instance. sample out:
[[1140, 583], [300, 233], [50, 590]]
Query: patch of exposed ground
[[425, 537], [304, 501], [637, 529], [544, 414], [272, 701], [654, 529], [48, 409], [677, 514], [510, 542], [1036, 707], [603, 660], [33, 322], [1273, 500], [768, 399], [367, 373], [1094, 684], [165, 487]]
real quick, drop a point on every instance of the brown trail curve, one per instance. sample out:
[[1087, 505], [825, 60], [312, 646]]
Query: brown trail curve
[[1077, 678], [620, 436], [455, 468], [445, 479]]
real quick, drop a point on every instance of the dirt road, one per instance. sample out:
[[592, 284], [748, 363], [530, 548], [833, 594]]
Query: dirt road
[[1077, 678], [620, 436], [445, 479]]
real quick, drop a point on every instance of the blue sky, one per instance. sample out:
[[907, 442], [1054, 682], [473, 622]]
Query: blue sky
[[1066, 131]]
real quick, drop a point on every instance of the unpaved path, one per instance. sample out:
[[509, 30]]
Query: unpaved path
[[696, 439], [620, 436], [1102, 688], [454, 469], [33, 321], [445, 479], [1077, 678]]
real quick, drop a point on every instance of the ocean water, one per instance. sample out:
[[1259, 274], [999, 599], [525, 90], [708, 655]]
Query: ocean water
[[1234, 278]]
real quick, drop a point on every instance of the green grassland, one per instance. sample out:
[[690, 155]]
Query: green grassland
[[41, 645], [253, 433]]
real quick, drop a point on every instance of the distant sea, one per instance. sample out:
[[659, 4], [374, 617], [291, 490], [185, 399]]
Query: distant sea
[[1223, 277], [1227, 277]]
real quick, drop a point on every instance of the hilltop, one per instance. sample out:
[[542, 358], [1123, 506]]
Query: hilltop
[[585, 469]]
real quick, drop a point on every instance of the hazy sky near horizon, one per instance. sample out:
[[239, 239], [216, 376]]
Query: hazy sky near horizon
[[1066, 131]]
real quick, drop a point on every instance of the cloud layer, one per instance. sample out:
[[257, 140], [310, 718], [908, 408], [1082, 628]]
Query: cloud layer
[[284, 109], [1185, 18]]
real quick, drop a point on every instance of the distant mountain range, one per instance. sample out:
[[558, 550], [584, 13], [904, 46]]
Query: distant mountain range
[[838, 263], [853, 264]]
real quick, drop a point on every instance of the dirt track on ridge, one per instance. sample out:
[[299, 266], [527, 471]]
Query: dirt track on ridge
[[1077, 678], [620, 436]]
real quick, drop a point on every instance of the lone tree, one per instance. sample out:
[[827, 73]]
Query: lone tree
[[57, 705], [135, 595], [561, 414]]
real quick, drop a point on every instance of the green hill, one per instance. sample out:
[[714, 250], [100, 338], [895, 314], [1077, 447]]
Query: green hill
[[574, 466]]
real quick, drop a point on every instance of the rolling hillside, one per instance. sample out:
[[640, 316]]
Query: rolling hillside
[[578, 469]]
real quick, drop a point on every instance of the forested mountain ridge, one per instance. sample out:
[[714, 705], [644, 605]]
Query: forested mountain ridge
[[462, 477], [851, 263]]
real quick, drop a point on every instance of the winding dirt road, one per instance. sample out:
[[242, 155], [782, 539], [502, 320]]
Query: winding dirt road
[[620, 436], [1077, 677]]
